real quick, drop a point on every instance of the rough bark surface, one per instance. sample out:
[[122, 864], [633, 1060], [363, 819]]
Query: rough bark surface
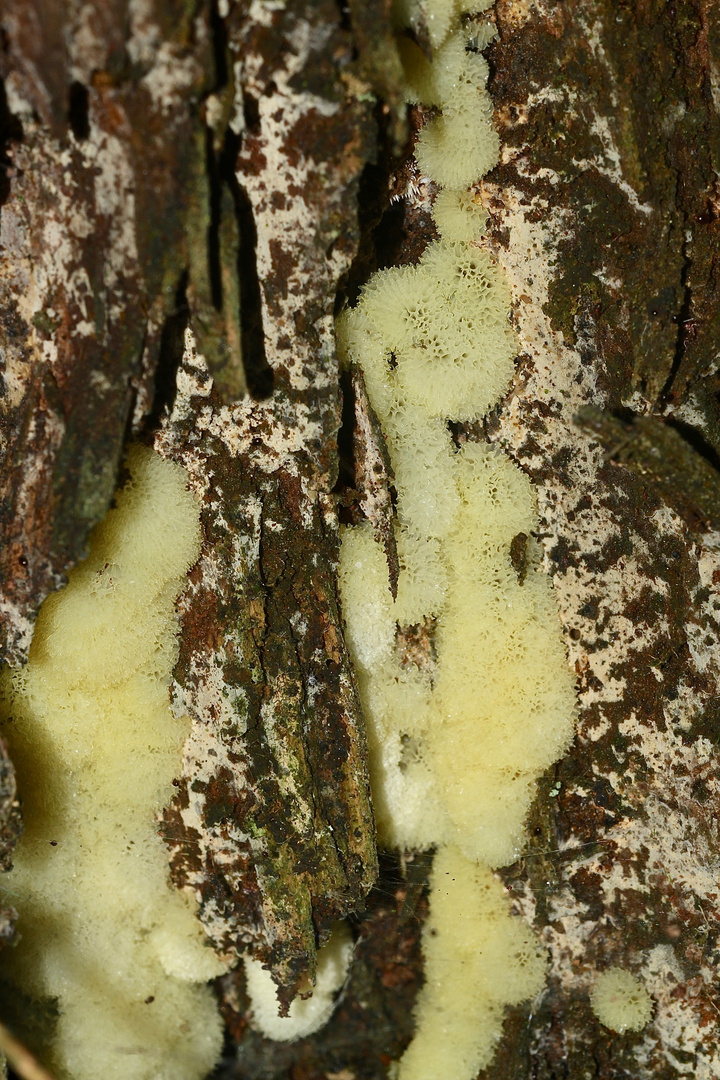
[[604, 217], [184, 189], [169, 167], [97, 114], [10, 831], [272, 827]]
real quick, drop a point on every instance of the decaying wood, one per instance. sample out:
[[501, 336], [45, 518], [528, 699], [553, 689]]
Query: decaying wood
[[603, 214], [184, 190], [97, 120], [652, 447], [10, 832], [272, 827], [372, 477], [167, 169]]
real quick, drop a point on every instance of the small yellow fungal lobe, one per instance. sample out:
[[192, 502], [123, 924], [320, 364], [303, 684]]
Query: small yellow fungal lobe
[[459, 216], [458, 146], [309, 1014], [437, 16], [620, 1001], [478, 959], [445, 324], [96, 747]]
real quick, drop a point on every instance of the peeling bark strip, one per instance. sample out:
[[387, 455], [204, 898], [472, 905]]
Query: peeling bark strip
[[167, 163], [373, 474], [272, 827]]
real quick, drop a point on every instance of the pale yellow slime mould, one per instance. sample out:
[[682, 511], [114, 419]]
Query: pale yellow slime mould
[[621, 1001], [454, 757], [96, 748]]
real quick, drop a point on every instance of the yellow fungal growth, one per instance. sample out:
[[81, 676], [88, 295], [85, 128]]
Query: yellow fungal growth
[[454, 753], [458, 514], [437, 17], [306, 1015], [458, 146], [96, 748], [459, 215], [620, 1001], [478, 959], [444, 324]]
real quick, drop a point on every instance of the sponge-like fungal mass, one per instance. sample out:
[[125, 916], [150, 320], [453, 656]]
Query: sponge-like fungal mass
[[620, 1001], [436, 17], [96, 747], [455, 749], [459, 215], [500, 707], [458, 146], [435, 340], [478, 959], [306, 1015]]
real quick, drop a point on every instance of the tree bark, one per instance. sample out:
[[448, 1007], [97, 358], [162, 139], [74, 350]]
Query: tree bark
[[191, 190]]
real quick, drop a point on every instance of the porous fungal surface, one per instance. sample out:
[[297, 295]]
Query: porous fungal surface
[[104, 936], [454, 753], [620, 1001]]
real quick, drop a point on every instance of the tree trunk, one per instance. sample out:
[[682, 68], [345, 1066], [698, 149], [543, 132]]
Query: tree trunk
[[213, 180]]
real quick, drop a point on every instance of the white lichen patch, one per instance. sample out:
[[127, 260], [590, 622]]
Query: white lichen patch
[[608, 163], [47, 266]]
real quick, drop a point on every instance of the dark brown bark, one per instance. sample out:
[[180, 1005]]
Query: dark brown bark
[[99, 126]]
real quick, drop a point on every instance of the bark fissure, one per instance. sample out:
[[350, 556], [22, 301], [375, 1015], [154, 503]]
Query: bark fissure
[[683, 318], [169, 359], [79, 110], [295, 849], [258, 370], [10, 132]]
